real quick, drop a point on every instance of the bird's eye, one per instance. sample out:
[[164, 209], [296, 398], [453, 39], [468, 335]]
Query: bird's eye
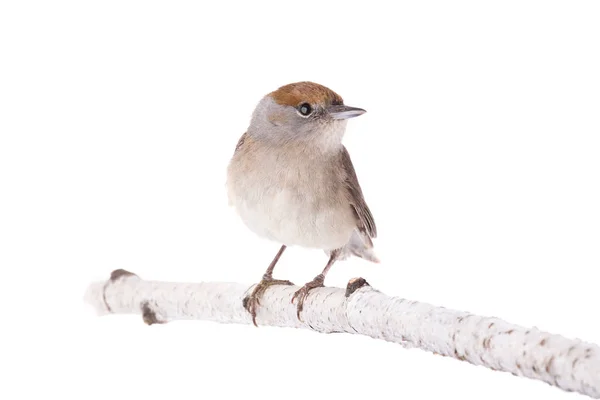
[[305, 109]]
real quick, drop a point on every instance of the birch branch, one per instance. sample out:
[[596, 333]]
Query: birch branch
[[570, 364]]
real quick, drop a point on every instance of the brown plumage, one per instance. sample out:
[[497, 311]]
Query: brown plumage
[[294, 94], [365, 219]]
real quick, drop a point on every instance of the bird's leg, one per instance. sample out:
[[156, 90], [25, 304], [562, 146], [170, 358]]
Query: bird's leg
[[252, 301], [318, 281]]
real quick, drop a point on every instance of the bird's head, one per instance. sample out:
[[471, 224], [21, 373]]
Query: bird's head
[[303, 112]]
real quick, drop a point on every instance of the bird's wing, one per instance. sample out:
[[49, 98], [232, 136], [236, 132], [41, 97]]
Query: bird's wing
[[365, 218]]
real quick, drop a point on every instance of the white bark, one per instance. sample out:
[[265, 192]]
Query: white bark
[[572, 365]]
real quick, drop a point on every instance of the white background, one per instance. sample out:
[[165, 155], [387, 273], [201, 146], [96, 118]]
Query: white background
[[479, 157]]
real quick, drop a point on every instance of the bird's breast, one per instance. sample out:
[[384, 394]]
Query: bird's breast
[[291, 201]]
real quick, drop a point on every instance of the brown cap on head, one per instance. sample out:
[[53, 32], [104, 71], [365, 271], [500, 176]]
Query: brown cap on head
[[305, 92]]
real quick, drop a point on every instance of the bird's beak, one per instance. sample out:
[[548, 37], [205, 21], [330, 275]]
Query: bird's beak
[[344, 112]]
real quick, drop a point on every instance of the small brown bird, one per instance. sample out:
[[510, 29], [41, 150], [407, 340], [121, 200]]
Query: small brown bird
[[291, 180]]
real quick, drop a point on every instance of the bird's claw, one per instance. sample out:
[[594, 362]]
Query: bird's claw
[[252, 301], [302, 293]]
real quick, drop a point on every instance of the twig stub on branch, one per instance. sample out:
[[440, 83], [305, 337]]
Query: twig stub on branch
[[149, 316], [119, 273], [354, 284]]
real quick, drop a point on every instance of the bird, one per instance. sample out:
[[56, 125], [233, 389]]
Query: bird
[[291, 180]]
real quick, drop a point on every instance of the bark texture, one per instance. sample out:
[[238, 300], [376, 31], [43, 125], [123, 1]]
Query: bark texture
[[569, 364]]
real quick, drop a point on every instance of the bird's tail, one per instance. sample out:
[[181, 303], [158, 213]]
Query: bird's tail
[[360, 245]]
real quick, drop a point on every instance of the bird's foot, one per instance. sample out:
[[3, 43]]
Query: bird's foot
[[302, 293], [252, 301]]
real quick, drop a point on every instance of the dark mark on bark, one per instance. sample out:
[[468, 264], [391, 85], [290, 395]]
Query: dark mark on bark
[[543, 342], [149, 315], [354, 284], [510, 331], [570, 350], [486, 342], [575, 361], [459, 356], [104, 297], [518, 366], [490, 325], [327, 296], [534, 368], [549, 364]]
